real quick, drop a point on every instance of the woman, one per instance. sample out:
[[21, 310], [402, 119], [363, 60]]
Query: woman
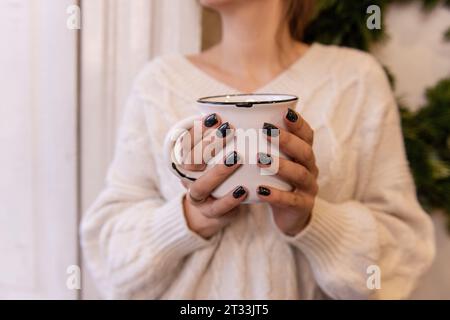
[[146, 236]]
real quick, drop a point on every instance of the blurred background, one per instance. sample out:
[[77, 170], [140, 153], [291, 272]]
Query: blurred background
[[63, 88]]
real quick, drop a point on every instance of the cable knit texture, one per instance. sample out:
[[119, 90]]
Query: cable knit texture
[[137, 244]]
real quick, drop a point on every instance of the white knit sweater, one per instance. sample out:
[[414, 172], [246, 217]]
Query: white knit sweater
[[135, 238]]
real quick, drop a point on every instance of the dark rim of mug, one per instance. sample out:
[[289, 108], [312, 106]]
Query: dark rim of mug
[[289, 98]]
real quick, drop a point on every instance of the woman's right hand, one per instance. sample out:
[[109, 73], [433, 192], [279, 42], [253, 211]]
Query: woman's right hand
[[205, 214]]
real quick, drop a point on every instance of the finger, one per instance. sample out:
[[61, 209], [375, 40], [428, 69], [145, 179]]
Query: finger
[[292, 146], [208, 124], [285, 199], [211, 144], [222, 206], [289, 171], [193, 136], [203, 186], [298, 126], [214, 142]]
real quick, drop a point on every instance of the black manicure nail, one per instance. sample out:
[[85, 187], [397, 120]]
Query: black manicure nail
[[270, 130], [223, 130], [210, 120], [264, 158], [263, 191], [291, 115], [239, 192], [231, 159]]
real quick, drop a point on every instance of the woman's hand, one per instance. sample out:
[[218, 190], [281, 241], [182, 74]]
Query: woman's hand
[[292, 210], [205, 214]]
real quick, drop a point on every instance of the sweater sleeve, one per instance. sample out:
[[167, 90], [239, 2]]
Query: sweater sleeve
[[133, 240], [382, 232]]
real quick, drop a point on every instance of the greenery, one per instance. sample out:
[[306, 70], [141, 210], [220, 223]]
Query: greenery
[[350, 17], [427, 140], [426, 131], [343, 22]]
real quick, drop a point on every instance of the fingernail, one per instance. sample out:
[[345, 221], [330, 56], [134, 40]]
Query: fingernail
[[263, 191], [210, 120], [239, 192], [270, 130], [291, 115], [223, 130], [231, 159], [264, 158]]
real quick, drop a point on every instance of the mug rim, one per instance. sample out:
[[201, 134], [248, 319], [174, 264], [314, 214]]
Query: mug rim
[[289, 98]]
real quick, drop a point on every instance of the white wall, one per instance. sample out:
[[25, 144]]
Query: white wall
[[415, 52], [418, 57], [38, 196]]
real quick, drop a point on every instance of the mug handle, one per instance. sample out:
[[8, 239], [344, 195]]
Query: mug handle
[[172, 147]]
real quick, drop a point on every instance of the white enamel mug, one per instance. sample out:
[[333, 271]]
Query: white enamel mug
[[247, 114]]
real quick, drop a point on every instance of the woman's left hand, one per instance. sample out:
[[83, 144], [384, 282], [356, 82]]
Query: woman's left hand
[[292, 210]]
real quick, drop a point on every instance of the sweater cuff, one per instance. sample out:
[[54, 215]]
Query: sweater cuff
[[334, 234], [171, 232]]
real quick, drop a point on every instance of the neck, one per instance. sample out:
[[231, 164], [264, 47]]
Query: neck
[[253, 37]]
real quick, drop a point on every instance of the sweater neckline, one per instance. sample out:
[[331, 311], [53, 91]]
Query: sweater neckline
[[299, 64]]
